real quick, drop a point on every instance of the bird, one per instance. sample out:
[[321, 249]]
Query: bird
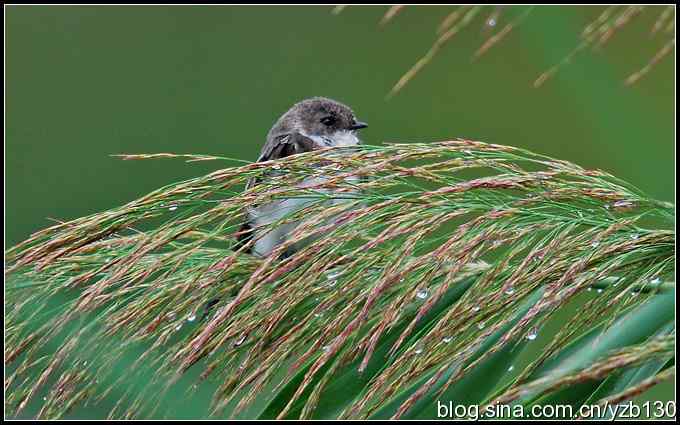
[[311, 124]]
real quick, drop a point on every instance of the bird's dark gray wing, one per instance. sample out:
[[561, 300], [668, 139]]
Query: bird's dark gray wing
[[286, 144], [277, 147]]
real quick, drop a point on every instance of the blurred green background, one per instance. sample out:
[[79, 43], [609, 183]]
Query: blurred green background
[[86, 82]]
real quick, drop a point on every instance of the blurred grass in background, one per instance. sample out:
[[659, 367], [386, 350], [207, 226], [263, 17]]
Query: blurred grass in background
[[86, 82]]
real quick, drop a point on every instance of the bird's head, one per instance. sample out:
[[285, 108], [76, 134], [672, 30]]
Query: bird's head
[[323, 117]]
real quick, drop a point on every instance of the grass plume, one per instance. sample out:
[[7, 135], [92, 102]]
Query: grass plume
[[442, 259]]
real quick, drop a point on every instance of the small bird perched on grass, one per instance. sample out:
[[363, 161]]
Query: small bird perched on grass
[[311, 124]]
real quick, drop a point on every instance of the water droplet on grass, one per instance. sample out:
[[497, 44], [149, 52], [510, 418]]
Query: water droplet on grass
[[422, 293], [332, 277], [623, 204], [333, 273], [532, 335]]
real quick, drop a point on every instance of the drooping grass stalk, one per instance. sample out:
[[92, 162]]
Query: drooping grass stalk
[[443, 259], [498, 23]]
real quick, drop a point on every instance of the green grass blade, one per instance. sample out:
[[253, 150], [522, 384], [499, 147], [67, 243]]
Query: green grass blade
[[280, 400], [620, 382], [474, 386], [633, 328]]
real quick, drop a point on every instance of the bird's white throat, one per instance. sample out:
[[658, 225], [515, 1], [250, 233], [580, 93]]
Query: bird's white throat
[[338, 139]]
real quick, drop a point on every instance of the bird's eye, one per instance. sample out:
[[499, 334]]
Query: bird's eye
[[329, 120]]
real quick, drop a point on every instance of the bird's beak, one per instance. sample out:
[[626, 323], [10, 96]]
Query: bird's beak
[[358, 125]]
